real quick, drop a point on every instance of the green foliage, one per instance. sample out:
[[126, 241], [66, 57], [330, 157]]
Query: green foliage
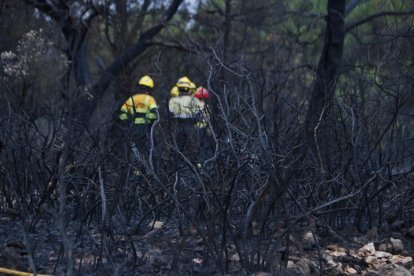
[[263, 37]]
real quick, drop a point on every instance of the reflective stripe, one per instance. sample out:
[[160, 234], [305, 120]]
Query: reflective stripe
[[147, 99], [151, 116], [140, 121], [201, 124], [183, 116], [123, 116]]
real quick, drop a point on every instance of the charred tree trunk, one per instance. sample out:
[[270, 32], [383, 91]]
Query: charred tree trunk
[[321, 99], [322, 96], [87, 103], [75, 29]]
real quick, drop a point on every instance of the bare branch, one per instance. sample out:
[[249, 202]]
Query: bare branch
[[133, 51], [377, 15], [352, 5], [59, 11], [174, 45]]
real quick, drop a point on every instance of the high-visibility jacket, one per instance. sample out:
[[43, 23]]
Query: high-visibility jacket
[[189, 107], [141, 108]]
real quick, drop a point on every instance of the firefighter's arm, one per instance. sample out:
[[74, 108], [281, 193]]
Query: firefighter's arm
[[152, 110], [123, 114]]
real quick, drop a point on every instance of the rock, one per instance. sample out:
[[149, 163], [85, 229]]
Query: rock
[[308, 240], [302, 267], [367, 250], [334, 269], [332, 247], [393, 270], [352, 252], [397, 245], [371, 260], [386, 247], [337, 254], [350, 270], [382, 254], [341, 249], [198, 261], [403, 260], [155, 224], [410, 232], [328, 257], [331, 263]]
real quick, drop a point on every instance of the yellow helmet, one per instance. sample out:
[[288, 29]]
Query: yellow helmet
[[185, 82], [174, 92], [146, 81]]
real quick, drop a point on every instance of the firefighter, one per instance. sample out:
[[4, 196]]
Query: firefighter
[[202, 95], [139, 112], [203, 141], [185, 110]]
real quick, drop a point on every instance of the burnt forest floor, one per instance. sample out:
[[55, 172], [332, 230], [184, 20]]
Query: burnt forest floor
[[160, 249]]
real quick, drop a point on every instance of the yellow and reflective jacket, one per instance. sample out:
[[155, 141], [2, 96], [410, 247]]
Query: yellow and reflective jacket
[[189, 107], [185, 106], [141, 108]]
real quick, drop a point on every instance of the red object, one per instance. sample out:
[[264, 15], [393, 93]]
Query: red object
[[201, 93]]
